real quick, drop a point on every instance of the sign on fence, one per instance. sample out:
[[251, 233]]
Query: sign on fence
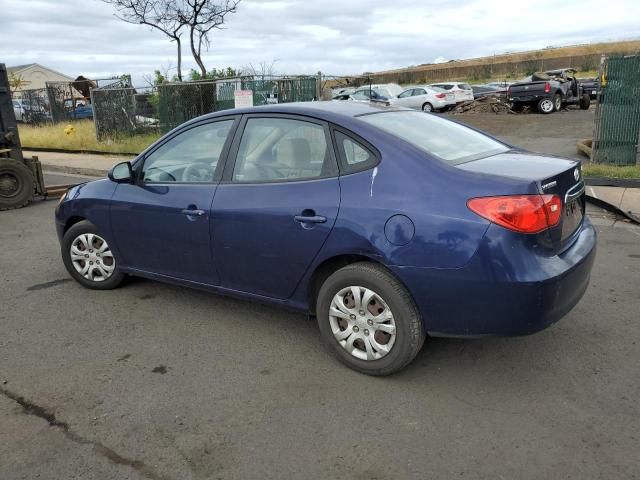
[[243, 98]]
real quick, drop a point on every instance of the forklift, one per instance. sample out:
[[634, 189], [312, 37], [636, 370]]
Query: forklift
[[21, 178]]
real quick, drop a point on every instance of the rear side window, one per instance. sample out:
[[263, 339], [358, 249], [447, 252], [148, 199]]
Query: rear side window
[[464, 86], [280, 149], [354, 156]]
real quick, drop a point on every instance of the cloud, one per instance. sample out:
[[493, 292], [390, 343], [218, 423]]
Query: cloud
[[335, 37]]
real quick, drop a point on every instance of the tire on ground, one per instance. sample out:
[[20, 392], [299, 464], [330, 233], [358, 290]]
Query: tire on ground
[[585, 102], [77, 229], [410, 333], [16, 184]]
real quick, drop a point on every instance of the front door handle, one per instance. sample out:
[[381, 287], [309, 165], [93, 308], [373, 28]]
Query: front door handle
[[193, 212], [310, 219]]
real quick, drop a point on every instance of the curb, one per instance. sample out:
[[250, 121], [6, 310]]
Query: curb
[[90, 172], [612, 182], [91, 152]]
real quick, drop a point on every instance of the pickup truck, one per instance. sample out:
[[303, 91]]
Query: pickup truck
[[549, 91]]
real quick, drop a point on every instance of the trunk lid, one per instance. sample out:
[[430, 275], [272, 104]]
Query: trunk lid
[[550, 175]]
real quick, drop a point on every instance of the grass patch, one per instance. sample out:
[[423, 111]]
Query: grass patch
[[83, 137], [610, 171]]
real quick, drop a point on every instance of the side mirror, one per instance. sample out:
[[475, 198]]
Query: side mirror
[[121, 173]]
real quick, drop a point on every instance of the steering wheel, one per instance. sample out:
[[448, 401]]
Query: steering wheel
[[197, 172]]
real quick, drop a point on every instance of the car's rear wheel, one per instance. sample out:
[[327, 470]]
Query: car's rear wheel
[[557, 102], [546, 106], [89, 259], [427, 107], [369, 320]]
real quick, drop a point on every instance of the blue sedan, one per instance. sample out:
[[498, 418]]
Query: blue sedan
[[386, 224]]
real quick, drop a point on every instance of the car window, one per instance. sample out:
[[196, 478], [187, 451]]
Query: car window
[[354, 156], [192, 156], [279, 149], [449, 141], [405, 94], [446, 87], [419, 91], [361, 95], [464, 86]]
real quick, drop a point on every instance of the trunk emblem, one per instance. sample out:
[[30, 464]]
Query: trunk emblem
[[549, 185], [576, 174]]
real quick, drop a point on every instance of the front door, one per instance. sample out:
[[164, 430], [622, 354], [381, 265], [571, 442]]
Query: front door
[[276, 205], [161, 223]]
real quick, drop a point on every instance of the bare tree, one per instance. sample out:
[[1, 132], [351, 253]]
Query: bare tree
[[163, 15], [200, 17], [259, 71]]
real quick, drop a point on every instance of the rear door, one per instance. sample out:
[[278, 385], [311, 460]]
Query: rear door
[[276, 205], [161, 223]]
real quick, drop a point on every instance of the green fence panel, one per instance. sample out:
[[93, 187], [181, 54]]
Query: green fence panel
[[617, 126]]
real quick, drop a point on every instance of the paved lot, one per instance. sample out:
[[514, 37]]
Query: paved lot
[[556, 134], [161, 382]]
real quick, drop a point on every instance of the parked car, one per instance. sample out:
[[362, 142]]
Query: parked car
[[549, 92], [461, 91], [590, 86], [27, 112], [366, 94], [389, 90], [425, 98], [481, 91], [342, 92], [298, 205], [78, 108]]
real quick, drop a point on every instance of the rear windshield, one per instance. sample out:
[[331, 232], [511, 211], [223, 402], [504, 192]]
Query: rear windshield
[[446, 140]]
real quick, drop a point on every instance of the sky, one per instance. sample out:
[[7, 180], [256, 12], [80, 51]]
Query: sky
[[336, 37]]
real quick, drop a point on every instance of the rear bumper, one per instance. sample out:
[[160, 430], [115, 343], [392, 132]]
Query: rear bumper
[[506, 289]]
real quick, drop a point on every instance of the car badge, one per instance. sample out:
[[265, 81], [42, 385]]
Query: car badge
[[576, 174]]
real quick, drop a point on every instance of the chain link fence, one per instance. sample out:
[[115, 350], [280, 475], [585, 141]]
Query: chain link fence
[[35, 106], [179, 102], [123, 112], [616, 137]]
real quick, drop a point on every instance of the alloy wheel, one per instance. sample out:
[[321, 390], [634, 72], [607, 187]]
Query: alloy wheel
[[91, 257], [362, 323], [546, 106]]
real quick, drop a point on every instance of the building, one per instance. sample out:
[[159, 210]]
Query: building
[[34, 75]]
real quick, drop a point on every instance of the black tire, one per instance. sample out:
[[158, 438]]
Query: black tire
[[585, 102], [410, 334], [113, 281], [16, 184], [546, 105], [427, 107], [557, 102]]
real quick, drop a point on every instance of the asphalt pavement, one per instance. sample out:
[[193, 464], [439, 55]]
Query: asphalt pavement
[[161, 382]]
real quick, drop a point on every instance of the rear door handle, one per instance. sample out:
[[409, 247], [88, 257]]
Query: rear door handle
[[310, 219], [193, 212]]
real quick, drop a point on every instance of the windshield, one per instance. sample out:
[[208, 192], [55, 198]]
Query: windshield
[[441, 138]]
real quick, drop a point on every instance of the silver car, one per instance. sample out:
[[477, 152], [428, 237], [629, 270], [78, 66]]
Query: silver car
[[427, 99]]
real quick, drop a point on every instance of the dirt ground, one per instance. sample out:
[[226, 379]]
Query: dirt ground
[[556, 134]]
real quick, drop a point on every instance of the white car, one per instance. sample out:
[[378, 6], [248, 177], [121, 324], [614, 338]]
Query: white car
[[462, 91], [425, 98], [389, 90]]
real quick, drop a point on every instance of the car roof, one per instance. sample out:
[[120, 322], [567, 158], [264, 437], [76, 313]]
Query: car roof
[[323, 110]]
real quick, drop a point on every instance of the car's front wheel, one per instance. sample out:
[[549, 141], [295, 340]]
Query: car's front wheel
[[369, 320], [89, 259]]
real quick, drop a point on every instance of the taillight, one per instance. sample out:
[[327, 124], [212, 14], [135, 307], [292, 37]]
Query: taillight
[[547, 87], [440, 95], [520, 213]]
